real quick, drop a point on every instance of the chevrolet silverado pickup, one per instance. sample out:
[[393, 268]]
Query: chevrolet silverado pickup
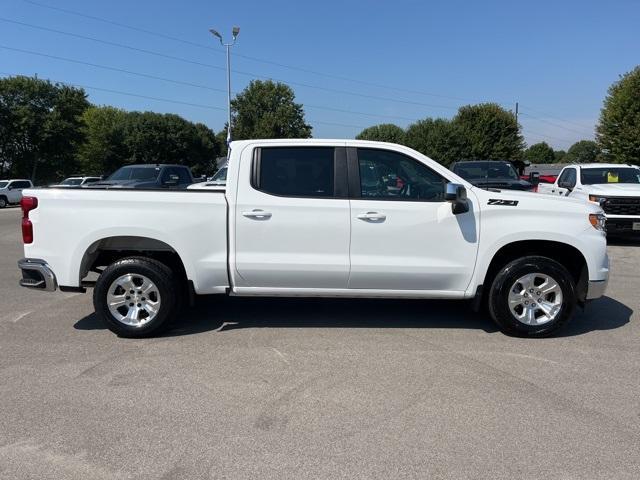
[[318, 218], [615, 187]]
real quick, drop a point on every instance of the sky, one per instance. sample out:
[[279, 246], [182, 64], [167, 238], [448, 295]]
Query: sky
[[352, 64]]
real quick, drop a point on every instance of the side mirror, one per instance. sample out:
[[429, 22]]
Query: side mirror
[[172, 180], [566, 185], [456, 194], [534, 178], [9, 187]]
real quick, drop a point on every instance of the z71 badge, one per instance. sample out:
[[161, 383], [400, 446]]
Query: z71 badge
[[504, 203]]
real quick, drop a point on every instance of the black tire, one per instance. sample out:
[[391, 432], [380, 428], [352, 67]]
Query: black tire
[[159, 274], [3, 202], [503, 282]]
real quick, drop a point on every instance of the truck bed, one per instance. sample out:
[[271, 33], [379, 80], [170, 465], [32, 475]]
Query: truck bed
[[193, 223]]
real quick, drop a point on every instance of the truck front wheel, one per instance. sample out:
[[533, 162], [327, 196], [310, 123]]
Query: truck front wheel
[[532, 297], [136, 297]]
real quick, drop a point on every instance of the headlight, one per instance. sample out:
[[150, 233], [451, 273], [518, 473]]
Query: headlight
[[597, 199], [598, 221]]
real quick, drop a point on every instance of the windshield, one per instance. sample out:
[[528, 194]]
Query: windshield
[[591, 176], [71, 181], [221, 175], [135, 173], [3, 184], [485, 170]]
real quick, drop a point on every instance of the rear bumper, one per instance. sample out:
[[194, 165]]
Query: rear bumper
[[37, 274]]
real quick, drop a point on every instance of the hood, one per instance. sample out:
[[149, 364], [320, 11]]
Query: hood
[[621, 189], [536, 200]]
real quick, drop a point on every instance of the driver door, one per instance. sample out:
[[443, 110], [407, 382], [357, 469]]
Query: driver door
[[404, 235]]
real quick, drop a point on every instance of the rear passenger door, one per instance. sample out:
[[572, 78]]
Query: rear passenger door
[[292, 219]]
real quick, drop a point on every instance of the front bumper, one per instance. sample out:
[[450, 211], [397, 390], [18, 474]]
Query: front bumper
[[37, 274]]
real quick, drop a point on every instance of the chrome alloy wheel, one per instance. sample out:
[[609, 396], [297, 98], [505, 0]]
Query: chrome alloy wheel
[[133, 299], [535, 299]]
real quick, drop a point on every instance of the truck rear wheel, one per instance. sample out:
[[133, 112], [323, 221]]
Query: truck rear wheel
[[532, 297], [136, 297]]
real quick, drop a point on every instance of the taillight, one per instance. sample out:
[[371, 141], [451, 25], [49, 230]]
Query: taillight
[[27, 204]]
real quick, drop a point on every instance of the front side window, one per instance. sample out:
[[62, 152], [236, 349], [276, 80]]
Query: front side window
[[297, 172], [390, 175], [568, 176], [591, 176]]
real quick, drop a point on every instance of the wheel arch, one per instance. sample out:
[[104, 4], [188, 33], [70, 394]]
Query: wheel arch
[[107, 250], [564, 253]]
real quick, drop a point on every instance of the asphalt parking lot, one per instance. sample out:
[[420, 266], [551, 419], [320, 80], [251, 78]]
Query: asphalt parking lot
[[273, 389]]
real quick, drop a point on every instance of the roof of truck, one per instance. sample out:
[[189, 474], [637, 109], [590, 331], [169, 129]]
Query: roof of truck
[[603, 165]]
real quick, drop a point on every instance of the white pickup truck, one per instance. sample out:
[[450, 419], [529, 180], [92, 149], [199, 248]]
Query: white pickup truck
[[615, 187], [318, 218]]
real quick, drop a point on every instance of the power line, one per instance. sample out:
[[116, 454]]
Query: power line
[[552, 123], [580, 125], [190, 84], [130, 94], [114, 69], [255, 59], [208, 65]]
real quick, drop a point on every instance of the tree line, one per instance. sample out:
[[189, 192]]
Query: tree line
[[50, 130]]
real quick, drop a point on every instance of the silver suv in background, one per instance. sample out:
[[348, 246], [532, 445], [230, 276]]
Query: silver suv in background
[[77, 181], [11, 191]]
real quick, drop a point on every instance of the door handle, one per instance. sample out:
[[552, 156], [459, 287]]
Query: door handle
[[257, 214], [372, 216]]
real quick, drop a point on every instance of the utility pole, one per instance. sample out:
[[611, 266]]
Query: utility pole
[[234, 32], [516, 113]]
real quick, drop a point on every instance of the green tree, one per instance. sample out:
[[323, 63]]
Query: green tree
[[40, 128], [618, 133], [439, 139], [490, 132], [151, 137], [584, 151], [115, 138], [104, 149], [559, 156], [385, 132], [266, 109], [540, 153]]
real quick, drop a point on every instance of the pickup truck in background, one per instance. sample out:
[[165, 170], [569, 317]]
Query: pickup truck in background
[[11, 191], [77, 181], [318, 218], [148, 177], [498, 174], [615, 187]]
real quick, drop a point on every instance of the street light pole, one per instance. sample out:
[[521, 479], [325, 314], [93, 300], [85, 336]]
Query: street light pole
[[235, 31]]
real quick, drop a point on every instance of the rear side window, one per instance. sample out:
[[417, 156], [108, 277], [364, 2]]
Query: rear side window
[[296, 172], [21, 184]]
